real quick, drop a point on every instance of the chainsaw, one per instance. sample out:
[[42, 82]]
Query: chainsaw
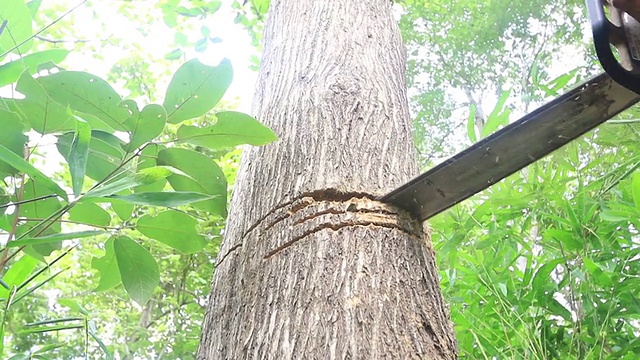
[[616, 38]]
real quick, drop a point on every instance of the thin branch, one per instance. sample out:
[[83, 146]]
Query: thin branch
[[77, 41], [80, 223], [44, 28], [43, 197]]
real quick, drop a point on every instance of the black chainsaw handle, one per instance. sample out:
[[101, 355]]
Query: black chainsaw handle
[[623, 32]]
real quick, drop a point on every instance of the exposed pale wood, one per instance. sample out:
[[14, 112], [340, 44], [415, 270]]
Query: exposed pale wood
[[310, 266]]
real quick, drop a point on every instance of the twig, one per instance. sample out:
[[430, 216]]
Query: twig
[[44, 28]]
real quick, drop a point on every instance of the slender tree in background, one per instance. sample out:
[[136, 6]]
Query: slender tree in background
[[311, 266]]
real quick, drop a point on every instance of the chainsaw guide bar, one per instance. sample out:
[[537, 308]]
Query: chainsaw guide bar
[[542, 131]]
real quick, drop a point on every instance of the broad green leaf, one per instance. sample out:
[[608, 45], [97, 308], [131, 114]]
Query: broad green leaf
[[561, 81], [212, 6], [22, 165], [567, 238], [261, 6], [471, 124], [107, 267], [38, 209], [204, 176], [17, 33], [173, 228], [55, 238], [231, 129], [193, 12], [17, 273], [195, 89], [138, 269], [180, 39], [204, 31], [10, 72], [123, 209], [105, 154], [168, 199], [615, 216], [635, 189], [4, 197], [132, 108], [90, 214], [33, 6], [86, 93], [499, 116], [12, 138], [601, 277], [142, 177], [542, 278], [44, 115], [558, 310], [145, 126], [78, 155], [148, 159], [201, 45], [174, 54]]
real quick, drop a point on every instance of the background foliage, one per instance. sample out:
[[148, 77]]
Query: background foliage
[[544, 265], [101, 162]]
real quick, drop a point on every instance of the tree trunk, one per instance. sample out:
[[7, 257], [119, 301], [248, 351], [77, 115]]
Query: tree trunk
[[311, 266]]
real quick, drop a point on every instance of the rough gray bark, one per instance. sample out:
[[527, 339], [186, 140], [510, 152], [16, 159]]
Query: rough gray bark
[[312, 267]]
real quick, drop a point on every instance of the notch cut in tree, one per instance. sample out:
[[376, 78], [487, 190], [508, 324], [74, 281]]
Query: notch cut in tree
[[311, 265]]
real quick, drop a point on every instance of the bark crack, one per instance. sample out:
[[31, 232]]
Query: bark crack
[[329, 209], [334, 227]]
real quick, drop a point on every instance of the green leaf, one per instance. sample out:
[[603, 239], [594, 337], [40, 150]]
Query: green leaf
[[602, 278], [635, 189], [615, 216], [22, 165], [173, 228], [86, 93], [39, 209], [90, 214], [12, 138], [18, 272], [561, 81], [33, 6], [78, 155], [145, 125], [5, 224], [105, 154], [44, 115], [231, 129], [55, 238], [204, 176], [148, 159], [180, 39], [107, 267], [204, 31], [138, 269], [542, 278], [499, 116], [261, 6], [556, 309], [201, 45], [18, 27], [167, 199], [567, 238], [123, 209], [174, 54], [212, 6], [195, 89], [142, 177], [10, 72]]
